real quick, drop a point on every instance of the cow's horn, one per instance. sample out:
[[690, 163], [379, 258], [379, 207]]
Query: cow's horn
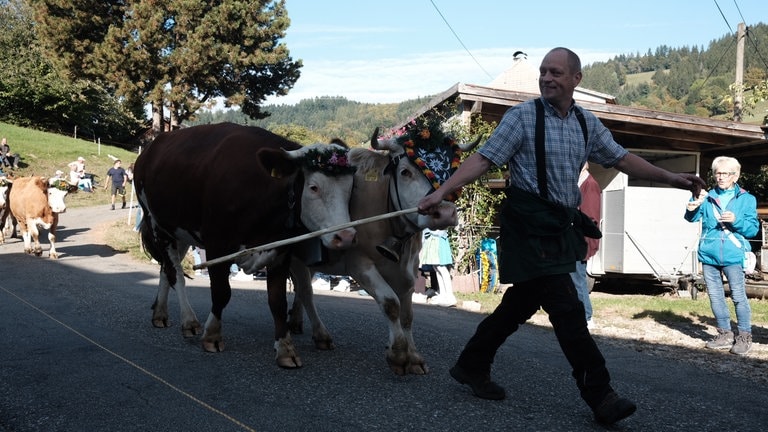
[[388, 144]]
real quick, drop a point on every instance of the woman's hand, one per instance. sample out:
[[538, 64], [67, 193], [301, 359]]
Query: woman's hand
[[693, 205], [728, 217]]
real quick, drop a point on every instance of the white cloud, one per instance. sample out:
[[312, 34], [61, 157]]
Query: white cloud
[[391, 80]]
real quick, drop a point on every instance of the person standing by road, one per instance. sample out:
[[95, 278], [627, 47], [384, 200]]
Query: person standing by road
[[436, 258], [543, 202], [119, 179], [590, 206], [728, 216]]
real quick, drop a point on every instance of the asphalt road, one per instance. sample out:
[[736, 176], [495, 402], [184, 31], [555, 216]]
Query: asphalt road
[[80, 354]]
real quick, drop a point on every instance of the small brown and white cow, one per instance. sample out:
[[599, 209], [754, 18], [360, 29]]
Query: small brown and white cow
[[36, 202]]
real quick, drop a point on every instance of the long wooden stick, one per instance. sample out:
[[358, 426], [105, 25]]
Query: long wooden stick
[[318, 233]]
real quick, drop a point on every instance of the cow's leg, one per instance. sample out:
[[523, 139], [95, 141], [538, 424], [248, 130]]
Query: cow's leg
[[160, 317], [52, 237], [190, 326], [397, 353], [172, 275], [221, 293], [34, 234], [3, 221], [285, 352], [416, 363], [26, 236], [304, 299], [296, 315]]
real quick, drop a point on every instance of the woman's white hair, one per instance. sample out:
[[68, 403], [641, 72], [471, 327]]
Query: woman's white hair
[[732, 163]]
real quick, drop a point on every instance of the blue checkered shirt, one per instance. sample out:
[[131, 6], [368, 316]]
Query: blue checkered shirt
[[513, 143]]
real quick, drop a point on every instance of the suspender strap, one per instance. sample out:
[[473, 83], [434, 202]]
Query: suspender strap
[[583, 123], [541, 161]]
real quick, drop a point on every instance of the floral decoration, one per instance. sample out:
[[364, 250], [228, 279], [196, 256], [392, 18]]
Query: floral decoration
[[329, 160], [63, 185], [427, 146]]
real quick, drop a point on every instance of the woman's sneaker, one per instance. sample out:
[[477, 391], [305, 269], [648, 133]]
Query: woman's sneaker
[[723, 340], [743, 343]]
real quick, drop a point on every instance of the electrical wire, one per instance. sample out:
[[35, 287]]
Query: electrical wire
[[750, 38], [459, 39]]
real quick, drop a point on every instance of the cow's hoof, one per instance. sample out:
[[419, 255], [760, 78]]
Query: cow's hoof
[[161, 322], [54, 256], [398, 370], [324, 344], [285, 354], [289, 363], [213, 346], [192, 330], [418, 369]]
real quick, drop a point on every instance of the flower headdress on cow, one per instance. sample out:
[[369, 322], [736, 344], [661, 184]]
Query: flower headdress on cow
[[332, 161], [62, 185], [427, 146]]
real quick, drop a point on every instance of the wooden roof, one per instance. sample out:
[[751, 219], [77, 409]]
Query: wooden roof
[[636, 128]]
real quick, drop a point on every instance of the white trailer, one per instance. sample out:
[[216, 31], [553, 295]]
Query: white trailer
[[645, 236]]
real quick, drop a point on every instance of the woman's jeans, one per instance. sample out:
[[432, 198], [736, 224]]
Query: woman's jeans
[[714, 280]]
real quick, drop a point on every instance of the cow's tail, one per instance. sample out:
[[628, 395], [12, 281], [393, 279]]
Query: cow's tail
[[155, 245], [149, 242]]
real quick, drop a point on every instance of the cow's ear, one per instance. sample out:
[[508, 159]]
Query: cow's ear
[[277, 164]]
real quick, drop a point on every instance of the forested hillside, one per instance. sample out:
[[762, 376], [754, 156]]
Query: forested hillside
[[323, 118], [688, 80]]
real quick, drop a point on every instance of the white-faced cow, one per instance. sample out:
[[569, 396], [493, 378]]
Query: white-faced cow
[[385, 183], [5, 209], [36, 202], [226, 187]]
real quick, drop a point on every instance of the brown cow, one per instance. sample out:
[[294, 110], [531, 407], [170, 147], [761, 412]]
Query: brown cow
[[37, 201], [225, 187]]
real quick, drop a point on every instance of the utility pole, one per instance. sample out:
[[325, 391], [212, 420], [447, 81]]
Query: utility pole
[[739, 96]]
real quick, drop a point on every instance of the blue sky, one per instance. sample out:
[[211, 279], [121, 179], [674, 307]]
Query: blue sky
[[394, 50]]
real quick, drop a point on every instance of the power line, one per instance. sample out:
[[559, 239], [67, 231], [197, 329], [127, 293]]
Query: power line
[[459, 39], [730, 30], [750, 38]]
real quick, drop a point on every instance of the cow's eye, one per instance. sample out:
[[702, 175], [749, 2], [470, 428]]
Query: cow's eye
[[314, 188], [405, 173]]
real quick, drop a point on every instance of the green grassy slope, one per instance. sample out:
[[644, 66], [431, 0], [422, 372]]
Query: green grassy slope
[[43, 153]]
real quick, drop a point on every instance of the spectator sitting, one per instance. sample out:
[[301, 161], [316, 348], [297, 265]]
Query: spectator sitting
[[77, 175], [9, 159]]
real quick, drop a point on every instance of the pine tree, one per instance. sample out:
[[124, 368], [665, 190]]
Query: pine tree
[[174, 55]]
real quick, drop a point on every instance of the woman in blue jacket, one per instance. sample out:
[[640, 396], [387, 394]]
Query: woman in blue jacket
[[728, 217]]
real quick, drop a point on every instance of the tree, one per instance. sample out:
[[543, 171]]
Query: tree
[[33, 93], [174, 55]]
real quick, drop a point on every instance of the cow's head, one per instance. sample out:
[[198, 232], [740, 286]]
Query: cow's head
[[5, 188], [326, 191], [57, 189], [421, 160]]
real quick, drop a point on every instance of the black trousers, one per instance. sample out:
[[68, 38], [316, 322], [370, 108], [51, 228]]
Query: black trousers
[[557, 296]]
